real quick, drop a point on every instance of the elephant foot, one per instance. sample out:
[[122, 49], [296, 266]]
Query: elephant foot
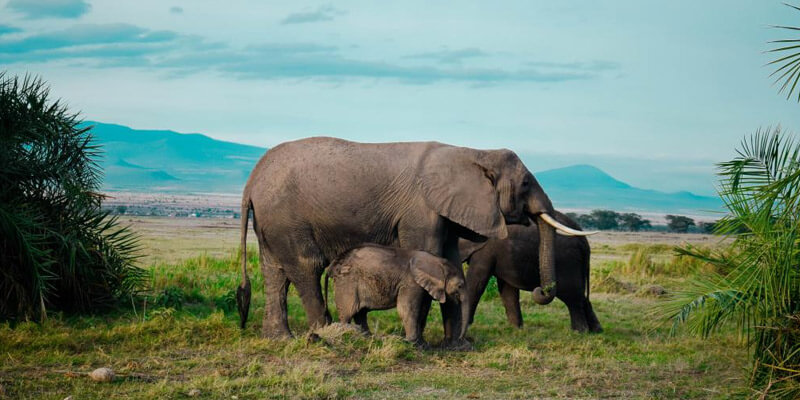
[[422, 345], [313, 338], [457, 345], [596, 328], [276, 334]]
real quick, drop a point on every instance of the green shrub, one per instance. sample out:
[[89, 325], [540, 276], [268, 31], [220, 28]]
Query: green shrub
[[58, 249], [757, 286]]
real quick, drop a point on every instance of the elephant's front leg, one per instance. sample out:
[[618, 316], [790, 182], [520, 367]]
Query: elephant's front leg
[[510, 297], [409, 306], [478, 274], [454, 330], [361, 320], [310, 291]]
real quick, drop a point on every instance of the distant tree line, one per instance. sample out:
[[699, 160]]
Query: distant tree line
[[606, 220]]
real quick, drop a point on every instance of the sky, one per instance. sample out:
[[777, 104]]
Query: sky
[[652, 92]]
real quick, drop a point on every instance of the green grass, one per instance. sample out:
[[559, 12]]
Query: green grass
[[187, 338]]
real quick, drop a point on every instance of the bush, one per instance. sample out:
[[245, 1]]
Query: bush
[[679, 223], [758, 288], [58, 249]]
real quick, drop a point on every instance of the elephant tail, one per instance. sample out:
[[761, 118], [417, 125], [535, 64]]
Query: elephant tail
[[243, 292], [327, 277], [587, 265]]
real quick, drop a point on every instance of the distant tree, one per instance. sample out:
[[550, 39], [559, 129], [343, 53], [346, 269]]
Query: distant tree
[[58, 249], [605, 219], [572, 215], [121, 209], [633, 222], [585, 221], [679, 223], [707, 227]]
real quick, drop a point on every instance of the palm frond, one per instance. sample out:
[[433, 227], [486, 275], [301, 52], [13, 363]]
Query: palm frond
[[759, 289], [59, 249], [788, 64]]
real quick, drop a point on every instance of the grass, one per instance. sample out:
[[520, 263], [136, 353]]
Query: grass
[[187, 338]]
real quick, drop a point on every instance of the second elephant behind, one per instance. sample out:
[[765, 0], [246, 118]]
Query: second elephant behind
[[514, 262]]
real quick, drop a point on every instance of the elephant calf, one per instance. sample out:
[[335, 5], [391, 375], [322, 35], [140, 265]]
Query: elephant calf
[[374, 277], [514, 262]]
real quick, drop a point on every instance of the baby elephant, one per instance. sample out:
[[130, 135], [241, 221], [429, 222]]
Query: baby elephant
[[373, 277]]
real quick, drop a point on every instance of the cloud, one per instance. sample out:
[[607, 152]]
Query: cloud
[[6, 29], [450, 56], [105, 45], [50, 8], [322, 13], [596, 66], [310, 61], [176, 10], [85, 34], [124, 45]]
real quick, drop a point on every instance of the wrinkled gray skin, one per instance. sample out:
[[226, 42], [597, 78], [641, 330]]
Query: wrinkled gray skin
[[372, 277], [314, 199], [514, 260]]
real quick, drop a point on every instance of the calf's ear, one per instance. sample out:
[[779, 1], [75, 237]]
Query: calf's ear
[[430, 276]]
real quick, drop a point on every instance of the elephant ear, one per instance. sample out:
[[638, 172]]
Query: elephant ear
[[430, 276], [460, 189]]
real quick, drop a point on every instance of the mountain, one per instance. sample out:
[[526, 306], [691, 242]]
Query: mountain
[[167, 161], [163, 160], [587, 187]]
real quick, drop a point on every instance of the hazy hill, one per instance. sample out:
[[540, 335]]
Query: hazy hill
[[170, 161], [585, 186], [162, 160]]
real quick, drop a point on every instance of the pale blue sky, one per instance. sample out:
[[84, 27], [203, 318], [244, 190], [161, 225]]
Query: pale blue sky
[[652, 92]]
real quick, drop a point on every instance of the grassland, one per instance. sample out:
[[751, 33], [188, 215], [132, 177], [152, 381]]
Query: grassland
[[183, 340]]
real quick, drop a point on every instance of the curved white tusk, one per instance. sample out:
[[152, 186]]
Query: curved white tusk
[[562, 233], [562, 229]]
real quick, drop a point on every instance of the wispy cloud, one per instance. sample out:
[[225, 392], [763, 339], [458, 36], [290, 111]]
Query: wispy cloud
[[447, 56], [50, 8], [102, 45], [6, 29], [176, 10], [322, 13], [116, 45], [595, 66], [310, 61], [83, 35]]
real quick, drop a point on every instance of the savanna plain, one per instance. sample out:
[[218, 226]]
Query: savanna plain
[[182, 340]]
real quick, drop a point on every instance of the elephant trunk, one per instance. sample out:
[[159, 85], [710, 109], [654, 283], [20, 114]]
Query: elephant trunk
[[464, 314], [545, 293]]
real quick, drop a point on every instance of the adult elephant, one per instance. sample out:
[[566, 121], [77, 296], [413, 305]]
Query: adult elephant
[[315, 198], [513, 261]]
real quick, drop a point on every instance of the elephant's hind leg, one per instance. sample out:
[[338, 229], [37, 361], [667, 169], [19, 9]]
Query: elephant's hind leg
[[275, 323], [577, 314], [591, 318], [510, 297]]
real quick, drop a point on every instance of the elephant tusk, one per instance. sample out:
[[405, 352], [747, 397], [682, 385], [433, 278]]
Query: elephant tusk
[[562, 229]]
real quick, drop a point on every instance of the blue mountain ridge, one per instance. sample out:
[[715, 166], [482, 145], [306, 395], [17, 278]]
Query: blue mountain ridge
[[167, 161]]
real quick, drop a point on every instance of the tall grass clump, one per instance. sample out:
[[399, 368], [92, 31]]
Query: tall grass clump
[[58, 250], [759, 292], [648, 261]]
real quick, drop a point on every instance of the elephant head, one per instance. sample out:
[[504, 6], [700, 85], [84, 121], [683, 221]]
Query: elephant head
[[483, 190], [442, 280]]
